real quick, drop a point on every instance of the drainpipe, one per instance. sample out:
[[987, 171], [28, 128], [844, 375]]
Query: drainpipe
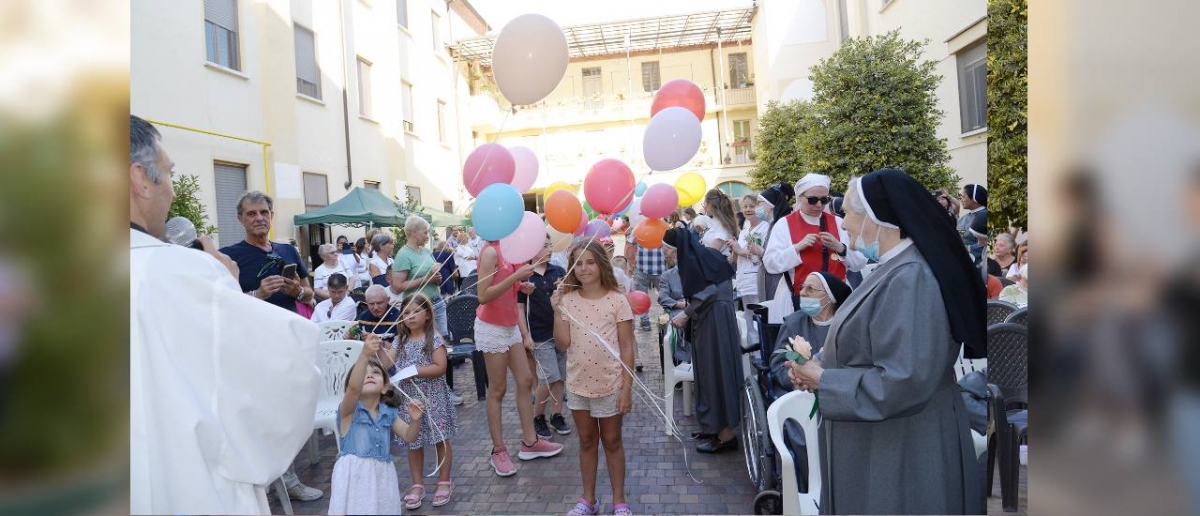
[[345, 96]]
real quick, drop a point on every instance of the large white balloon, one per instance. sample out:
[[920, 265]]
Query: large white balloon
[[671, 139], [526, 168], [529, 58]]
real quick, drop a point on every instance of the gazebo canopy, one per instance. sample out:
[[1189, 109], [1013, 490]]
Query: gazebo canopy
[[360, 207]]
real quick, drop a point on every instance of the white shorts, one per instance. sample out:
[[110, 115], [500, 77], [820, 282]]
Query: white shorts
[[490, 338]]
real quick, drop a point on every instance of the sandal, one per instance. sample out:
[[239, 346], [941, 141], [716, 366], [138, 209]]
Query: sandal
[[440, 497], [622, 509], [413, 500]]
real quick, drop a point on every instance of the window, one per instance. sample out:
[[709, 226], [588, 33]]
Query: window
[[734, 189], [741, 141], [442, 121], [651, 80], [220, 33], [402, 13], [230, 182], [435, 23], [739, 70], [414, 194], [406, 91], [316, 191], [592, 87], [364, 87], [972, 86], [448, 206], [371, 185], [308, 72]]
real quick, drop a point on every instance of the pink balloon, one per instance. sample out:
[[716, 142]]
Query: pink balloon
[[523, 244], [583, 222], [488, 164], [660, 200], [639, 302], [526, 168], [609, 186]]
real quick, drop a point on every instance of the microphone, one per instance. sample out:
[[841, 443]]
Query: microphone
[[181, 232]]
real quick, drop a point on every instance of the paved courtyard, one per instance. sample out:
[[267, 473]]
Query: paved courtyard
[[657, 481]]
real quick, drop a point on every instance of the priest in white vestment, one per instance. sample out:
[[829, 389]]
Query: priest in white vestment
[[223, 387]]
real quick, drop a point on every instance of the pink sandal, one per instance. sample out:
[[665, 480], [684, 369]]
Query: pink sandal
[[440, 497], [412, 500]]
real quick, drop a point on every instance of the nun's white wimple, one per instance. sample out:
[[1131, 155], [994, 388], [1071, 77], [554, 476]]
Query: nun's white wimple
[[863, 197]]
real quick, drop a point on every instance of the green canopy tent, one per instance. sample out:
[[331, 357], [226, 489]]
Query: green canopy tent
[[442, 219], [360, 207]]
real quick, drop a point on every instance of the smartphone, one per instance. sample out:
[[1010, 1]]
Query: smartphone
[[289, 271]]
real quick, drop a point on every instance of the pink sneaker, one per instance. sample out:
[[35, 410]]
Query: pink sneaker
[[583, 508], [541, 448], [501, 462]]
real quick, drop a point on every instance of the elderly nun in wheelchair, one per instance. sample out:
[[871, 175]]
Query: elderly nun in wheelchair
[[895, 436]]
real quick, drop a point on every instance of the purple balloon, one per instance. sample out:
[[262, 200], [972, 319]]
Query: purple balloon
[[597, 229]]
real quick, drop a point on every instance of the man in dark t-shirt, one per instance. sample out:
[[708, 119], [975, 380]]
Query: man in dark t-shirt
[[262, 262]]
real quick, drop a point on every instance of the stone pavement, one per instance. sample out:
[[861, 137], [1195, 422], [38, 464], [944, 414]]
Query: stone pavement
[[656, 480]]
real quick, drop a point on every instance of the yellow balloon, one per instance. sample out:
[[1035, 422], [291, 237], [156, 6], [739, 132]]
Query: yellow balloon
[[559, 241], [690, 187], [557, 185]]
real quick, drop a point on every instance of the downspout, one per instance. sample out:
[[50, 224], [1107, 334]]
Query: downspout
[[345, 96]]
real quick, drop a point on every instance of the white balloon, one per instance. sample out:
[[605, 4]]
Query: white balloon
[[635, 213], [526, 168], [529, 58], [671, 139]]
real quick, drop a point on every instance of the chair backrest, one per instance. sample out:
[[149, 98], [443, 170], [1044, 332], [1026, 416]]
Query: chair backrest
[[1020, 316], [334, 330], [966, 366], [336, 359], [998, 310], [460, 317], [797, 405], [1008, 357], [668, 355], [744, 340]]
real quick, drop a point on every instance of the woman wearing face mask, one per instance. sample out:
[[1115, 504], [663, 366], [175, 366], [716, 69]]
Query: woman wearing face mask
[[820, 297], [896, 436]]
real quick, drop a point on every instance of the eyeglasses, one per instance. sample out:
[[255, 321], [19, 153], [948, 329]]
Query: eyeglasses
[[810, 290], [821, 200]]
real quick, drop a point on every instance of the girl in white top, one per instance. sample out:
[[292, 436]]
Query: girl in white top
[[719, 236], [381, 260], [749, 250], [355, 265]]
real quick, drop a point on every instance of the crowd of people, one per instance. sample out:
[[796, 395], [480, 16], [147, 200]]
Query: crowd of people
[[884, 283]]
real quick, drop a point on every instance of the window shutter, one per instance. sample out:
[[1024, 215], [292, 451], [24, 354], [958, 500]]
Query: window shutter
[[222, 12], [230, 185], [306, 56]]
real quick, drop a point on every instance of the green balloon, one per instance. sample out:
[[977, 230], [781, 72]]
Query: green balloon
[[590, 212]]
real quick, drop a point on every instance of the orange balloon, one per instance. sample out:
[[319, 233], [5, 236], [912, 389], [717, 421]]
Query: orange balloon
[[563, 211], [649, 233]]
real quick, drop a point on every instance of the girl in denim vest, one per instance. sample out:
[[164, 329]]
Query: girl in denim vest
[[364, 477]]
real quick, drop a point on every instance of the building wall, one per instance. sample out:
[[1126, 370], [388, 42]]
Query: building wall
[[172, 82], [790, 38]]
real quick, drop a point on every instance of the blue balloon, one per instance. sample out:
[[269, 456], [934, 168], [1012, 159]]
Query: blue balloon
[[640, 190], [498, 211]]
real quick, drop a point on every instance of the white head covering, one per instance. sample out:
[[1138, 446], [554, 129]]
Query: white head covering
[[828, 291], [765, 201], [810, 180], [862, 197]]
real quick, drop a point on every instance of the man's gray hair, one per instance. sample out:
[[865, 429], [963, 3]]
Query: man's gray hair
[[254, 197], [413, 223], [376, 289], [143, 147]]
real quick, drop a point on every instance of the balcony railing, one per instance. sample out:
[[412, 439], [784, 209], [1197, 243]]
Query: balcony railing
[[601, 108], [740, 96]]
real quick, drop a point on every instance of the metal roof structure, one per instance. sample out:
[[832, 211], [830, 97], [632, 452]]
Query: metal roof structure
[[645, 35]]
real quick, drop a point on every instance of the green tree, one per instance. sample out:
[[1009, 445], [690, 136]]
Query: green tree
[[777, 147], [874, 106], [1008, 104], [187, 203]]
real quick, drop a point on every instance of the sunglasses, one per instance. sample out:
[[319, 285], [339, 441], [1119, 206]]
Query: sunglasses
[[821, 200]]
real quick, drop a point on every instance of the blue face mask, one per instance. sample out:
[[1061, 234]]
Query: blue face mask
[[760, 213], [870, 252], [811, 306]]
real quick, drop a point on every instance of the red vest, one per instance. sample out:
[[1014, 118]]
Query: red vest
[[811, 258]]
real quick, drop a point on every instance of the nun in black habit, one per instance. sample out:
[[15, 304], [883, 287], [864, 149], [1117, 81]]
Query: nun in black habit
[[707, 279], [895, 436]]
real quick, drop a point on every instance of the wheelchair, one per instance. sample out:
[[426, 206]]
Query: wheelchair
[[758, 392]]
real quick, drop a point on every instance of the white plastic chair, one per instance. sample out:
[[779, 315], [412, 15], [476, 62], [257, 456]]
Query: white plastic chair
[[797, 405], [671, 376], [744, 334], [336, 359], [334, 330]]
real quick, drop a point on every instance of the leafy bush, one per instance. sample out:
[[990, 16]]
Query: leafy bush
[[187, 203], [1008, 105]]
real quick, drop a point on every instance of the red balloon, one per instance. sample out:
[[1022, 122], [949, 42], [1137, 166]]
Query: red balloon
[[609, 186], [639, 302], [682, 93]]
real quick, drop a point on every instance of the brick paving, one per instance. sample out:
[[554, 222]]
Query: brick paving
[[656, 480]]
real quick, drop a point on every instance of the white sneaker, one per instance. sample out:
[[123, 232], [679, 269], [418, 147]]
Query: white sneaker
[[304, 493], [455, 398]]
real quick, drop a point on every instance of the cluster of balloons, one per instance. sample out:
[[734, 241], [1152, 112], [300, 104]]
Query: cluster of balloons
[[496, 176], [673, 135]]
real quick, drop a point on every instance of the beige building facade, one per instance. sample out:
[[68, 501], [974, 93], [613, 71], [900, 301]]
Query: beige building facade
[[304, 99]]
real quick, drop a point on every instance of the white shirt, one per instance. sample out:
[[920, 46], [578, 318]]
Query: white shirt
[[746, 281], [623, 280], [715, 232], [781, 255], [466, 258], [347, 310], [322, 273], [356, 269], [222, 387], [559, 259], [383, 265]]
